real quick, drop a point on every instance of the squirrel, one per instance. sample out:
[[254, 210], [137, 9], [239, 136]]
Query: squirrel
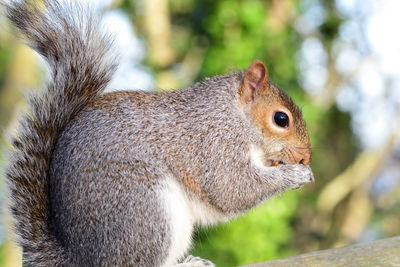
[[122, 178]]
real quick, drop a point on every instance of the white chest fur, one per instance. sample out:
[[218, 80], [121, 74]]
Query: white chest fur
[[181, 223], [183, 213]]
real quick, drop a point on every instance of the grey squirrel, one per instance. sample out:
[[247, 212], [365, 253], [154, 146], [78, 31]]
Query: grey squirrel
[[121, 179]]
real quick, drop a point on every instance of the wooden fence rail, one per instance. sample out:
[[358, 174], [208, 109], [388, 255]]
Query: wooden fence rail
[[382, 253]]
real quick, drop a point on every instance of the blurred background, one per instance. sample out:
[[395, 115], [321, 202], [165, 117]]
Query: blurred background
[[339, 60]]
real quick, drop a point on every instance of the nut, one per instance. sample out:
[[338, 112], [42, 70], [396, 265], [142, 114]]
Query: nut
[[275, 163]]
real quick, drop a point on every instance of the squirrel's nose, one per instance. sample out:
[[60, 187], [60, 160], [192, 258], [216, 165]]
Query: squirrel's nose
[[301, 157]]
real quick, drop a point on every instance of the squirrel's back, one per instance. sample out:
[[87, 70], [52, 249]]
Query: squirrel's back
[[81, 67]]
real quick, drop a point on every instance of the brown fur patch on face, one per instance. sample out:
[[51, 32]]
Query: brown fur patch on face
[[295, 138]]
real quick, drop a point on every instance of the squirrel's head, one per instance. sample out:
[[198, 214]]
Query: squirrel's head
[[278, 117]]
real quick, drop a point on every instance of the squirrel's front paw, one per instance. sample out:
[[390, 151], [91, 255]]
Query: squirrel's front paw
[[191, 261], [296, 175]]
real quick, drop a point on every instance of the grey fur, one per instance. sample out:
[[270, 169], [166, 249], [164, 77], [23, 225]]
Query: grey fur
[[88, 170]]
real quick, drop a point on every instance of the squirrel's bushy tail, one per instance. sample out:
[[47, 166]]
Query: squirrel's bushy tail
[[81, 65]]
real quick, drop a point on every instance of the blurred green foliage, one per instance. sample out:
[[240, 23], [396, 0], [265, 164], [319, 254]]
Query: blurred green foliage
[[5, 55], [262, 234]]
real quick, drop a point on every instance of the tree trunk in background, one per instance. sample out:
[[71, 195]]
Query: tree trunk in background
[[158, 29]]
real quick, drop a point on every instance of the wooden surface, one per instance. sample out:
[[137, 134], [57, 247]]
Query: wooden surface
[[385, 252]]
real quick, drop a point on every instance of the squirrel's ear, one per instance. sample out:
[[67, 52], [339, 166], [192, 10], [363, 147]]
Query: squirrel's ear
[[254, 82]]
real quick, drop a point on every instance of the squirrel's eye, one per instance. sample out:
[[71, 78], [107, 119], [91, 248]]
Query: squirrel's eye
[[281, 119]]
